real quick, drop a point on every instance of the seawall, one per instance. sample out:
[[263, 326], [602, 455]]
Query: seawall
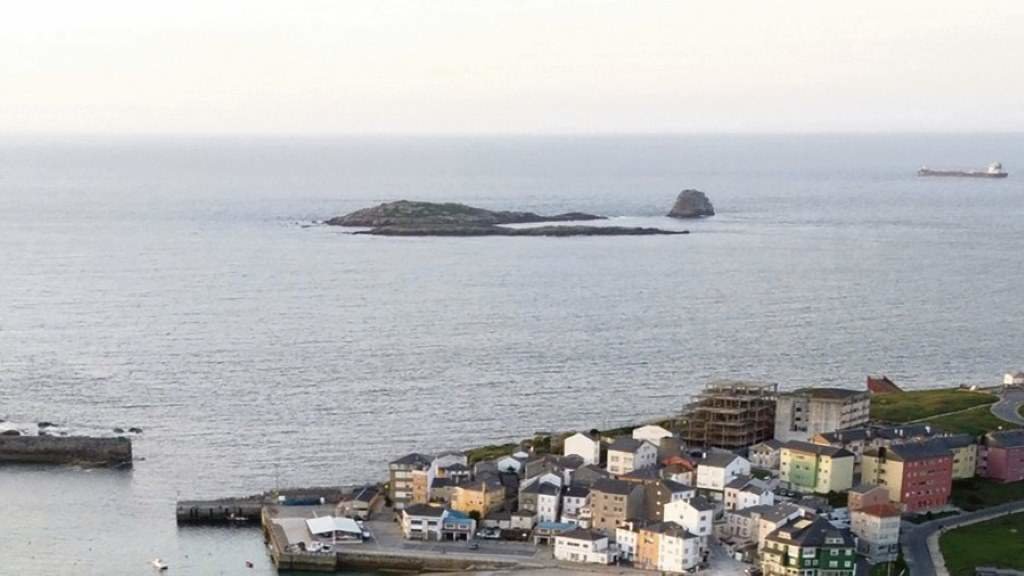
[[82, 450]]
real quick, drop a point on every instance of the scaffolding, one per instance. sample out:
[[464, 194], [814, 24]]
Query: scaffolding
[[730, 414]]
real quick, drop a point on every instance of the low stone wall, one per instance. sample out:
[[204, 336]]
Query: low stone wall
[[355, 560], [65, 450]]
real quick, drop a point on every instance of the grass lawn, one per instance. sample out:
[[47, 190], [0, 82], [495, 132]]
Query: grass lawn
[[491, 452], [902, 407], [998, 542], [976, 493], [975, 421]]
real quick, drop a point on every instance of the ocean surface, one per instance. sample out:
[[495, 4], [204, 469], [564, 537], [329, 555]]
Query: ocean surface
[[177, 285]]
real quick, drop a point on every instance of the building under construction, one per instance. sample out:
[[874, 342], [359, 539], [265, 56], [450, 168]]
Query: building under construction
[[730, 414]]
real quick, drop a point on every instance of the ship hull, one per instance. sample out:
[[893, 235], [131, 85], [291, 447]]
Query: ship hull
[[962, 173]]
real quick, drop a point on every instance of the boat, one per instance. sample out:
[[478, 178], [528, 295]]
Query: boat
[[159, 564], [994, 170]]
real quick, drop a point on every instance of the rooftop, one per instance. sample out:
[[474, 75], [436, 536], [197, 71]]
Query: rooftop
[[772, 444], [424, 510], [413, 459], [583, 534], [775, 512], [957, 440], [912, 451], [329, 524], [718, 458], [670, 529], [826, 393], [887, 510], [674, 486], [811, 532], [700, 503], [748, 484], [576, 491], [626, 444], [819, 449], [865, 488], [1005, 439], [647, 473], [610, 486]]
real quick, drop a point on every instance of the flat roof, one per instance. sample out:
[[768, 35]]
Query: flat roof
[[331, 524]]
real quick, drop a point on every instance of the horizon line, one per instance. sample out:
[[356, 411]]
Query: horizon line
[[443, 135]]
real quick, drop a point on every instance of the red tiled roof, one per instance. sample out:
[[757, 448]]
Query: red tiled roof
[[881, 510], [882, 385]]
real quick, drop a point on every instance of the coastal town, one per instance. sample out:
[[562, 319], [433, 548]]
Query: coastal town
[[747, 479]]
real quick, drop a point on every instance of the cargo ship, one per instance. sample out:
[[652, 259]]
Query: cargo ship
[[994, 170]]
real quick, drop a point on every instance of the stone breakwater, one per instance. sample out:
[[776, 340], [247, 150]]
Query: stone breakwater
[[80, 450]]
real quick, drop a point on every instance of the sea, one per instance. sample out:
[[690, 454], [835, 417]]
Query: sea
[[184, 285]]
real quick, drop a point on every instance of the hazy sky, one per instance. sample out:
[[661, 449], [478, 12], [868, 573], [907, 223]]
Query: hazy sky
[[510, 66]]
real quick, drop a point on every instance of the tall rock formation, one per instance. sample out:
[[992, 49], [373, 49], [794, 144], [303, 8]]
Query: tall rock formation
[[692, 204]]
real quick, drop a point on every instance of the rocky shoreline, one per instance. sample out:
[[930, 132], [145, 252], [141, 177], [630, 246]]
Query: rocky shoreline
[[406, 218], [549, 231]]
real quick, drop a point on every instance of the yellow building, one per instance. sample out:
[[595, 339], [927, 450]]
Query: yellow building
[[420, 487], [482, 496], [815, 467], [965, 455]]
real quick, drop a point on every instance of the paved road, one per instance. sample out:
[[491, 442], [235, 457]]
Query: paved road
[[915, 541], [1008, 406]]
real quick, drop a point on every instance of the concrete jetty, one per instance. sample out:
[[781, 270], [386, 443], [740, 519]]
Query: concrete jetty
[[78, 450], [287, 537], [246, 509]]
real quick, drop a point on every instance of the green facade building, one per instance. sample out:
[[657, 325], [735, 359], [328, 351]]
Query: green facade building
[[809, 547]]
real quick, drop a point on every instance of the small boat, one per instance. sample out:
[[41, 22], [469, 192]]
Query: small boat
[[159, 564], [249, 564], [994, 170]]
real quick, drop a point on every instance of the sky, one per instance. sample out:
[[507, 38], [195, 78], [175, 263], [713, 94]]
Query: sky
[[510, 66]]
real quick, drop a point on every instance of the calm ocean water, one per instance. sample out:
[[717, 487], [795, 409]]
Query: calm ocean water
[[172, 285]]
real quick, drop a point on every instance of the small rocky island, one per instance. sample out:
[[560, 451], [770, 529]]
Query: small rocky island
[[407, 218], [692, 204]]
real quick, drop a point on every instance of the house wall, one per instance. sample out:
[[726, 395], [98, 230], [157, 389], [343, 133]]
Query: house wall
[[677, 554], [608, 510], [626, 541], [480, 501], [885, 473], [547, 508], [799, 469], [878, 536], [584, 447], [878, 495], [801, 417], [1005, 464], [646, 456], [583, 551], [927, 483], [765, 458], [647, 544], [836, 474], [421, 480], [620, 462], [965, 461]]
